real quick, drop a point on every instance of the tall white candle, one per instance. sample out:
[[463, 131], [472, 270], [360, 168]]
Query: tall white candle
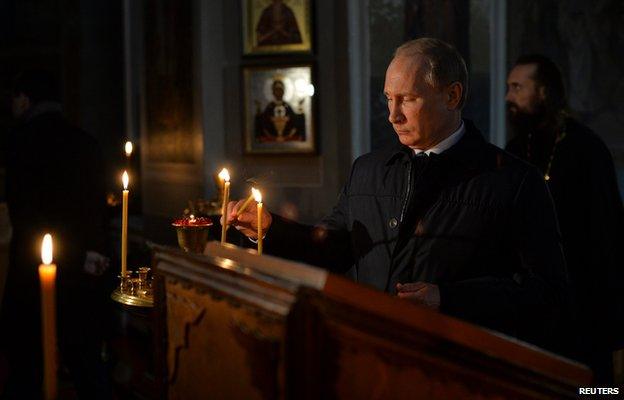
[[47, 279], [224, 175], [124, 225], [258, 197]]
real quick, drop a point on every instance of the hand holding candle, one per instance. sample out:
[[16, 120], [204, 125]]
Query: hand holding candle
[[251, 197], [247, 221], [224, 175], [47, 278]]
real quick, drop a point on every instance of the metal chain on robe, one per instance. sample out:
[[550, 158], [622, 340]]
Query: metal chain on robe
[[558, 139]]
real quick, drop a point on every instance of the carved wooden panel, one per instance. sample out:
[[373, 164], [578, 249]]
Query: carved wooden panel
[[220, 348], [353, 342], [234, 331], [221, 321]]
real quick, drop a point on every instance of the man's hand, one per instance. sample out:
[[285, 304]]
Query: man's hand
[[420, 292], [247, 221]]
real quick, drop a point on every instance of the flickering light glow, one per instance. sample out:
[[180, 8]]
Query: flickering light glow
[[257, 195], [46, 249], [125, 180], [224, 175], [128, 148]]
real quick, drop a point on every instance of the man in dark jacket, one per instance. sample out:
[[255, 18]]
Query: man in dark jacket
[[443, 218], [579, 171], [54, 185]]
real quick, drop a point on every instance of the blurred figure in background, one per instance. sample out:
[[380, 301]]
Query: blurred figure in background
[[54, 185], [579, 171]]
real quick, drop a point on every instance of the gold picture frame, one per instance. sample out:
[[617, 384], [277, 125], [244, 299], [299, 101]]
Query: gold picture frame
[[277, 26], [279, 109]]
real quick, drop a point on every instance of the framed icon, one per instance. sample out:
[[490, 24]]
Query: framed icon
[[277, 26], [279, 109]]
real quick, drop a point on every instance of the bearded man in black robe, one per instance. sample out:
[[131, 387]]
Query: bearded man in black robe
[[579, 171]]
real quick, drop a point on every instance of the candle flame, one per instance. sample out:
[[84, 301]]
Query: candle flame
[[224, 175], [128, 148], [46, 249], [125, 179], [257, 195]]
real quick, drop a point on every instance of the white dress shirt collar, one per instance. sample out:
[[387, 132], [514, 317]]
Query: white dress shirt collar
[[446, 143]]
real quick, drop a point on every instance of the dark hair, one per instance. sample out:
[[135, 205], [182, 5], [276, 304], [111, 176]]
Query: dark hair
[[548, 75], [445, 63], [37, 85]]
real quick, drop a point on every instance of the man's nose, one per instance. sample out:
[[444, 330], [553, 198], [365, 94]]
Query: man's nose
[[396, 116], [508, 96]]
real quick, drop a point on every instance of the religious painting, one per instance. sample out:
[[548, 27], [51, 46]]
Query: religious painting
[[277, 26], [279, 109]]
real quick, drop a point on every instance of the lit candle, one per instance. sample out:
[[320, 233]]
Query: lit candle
[[258, 197], [124, 225], [47, 277], [128, 148], [246, 203], [224, 175]]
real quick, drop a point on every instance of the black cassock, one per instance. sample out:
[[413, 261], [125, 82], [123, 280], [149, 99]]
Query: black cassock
[[583, 185]]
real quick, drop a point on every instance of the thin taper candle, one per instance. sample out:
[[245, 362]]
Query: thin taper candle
[[258, 197], [246, 203], [47, 279], [124, 226], [225, 176]]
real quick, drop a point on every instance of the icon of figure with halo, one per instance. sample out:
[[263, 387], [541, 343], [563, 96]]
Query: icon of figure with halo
[[278, 122]]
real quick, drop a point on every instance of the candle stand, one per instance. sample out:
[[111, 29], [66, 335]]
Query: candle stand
[[135, 289]]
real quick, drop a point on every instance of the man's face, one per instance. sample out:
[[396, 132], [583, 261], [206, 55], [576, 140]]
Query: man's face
[[419, 113], [525, 98]]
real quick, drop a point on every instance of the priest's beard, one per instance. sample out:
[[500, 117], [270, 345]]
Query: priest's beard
[[523, 122]]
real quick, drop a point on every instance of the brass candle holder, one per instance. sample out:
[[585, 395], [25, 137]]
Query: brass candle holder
[[135, 289]]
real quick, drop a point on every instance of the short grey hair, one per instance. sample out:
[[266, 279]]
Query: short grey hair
[[445, 64]]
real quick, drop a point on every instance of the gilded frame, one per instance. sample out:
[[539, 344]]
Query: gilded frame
[[279, 109]]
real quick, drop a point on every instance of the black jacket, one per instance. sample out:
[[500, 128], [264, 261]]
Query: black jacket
[[474, 220]]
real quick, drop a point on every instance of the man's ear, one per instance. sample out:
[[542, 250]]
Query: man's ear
[[541, 91], [454, 94]]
